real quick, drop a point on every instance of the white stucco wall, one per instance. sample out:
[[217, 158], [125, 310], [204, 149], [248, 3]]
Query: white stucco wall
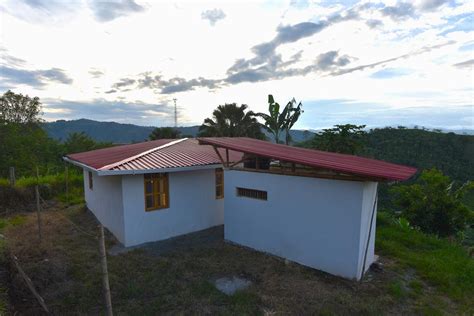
[[368, 200], [105, 201], [315, 222], [193, 207]]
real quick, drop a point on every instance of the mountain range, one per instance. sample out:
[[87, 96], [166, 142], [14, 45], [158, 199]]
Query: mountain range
[[126, 133]]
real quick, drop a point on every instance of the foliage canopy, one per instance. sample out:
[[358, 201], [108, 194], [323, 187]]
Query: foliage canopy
[[277, 122], [434, 204], [344, 139], [19, 109], [164, 133], [231, 120]]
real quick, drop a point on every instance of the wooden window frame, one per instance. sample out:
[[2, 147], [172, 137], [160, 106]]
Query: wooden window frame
[[159, 191], [91, 181], [219, 175], [252, 194]]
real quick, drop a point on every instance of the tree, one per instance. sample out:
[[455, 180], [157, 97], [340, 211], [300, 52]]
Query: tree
[[164, 132], [292, 115], [345, 139], [23, 143], [79, 142], [19, 109], [230, 120], [276, 121], [434, 204]]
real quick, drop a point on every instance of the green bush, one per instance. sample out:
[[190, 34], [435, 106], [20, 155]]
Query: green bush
[[433, 204], [50, 186]]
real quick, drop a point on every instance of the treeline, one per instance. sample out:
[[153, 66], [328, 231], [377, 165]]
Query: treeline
[[450, 153], [26, 146]]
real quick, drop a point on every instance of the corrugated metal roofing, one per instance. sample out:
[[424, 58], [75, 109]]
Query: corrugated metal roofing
[[320, 159], [102, 157], [165, 153]]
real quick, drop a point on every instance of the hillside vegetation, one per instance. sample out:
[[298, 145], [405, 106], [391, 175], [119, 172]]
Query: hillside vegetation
[[450, 153]]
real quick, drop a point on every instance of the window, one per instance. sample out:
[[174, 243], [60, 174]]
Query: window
[[156, 191], [91, 183], [219, 183], [251, 193]]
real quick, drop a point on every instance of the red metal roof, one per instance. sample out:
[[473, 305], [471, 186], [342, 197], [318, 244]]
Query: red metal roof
[[315, 158], [102, 157], [164, 153]]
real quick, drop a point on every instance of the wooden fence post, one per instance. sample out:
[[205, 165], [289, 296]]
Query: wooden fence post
[[66, 175], [38, 205], [30, 284], [105, 273], [12, 176]]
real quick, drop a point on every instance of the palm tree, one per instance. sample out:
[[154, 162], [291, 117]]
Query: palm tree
[[231, 120]]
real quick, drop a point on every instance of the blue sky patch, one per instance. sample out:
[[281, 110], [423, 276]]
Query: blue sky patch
[[388, 73]]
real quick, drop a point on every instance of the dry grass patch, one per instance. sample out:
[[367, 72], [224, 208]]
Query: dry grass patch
[[65, 268]]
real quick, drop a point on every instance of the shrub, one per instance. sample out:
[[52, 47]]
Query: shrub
[[433, 204]]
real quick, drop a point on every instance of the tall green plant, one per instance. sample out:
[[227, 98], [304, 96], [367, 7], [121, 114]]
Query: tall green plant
[[276, 122], [293, 113]]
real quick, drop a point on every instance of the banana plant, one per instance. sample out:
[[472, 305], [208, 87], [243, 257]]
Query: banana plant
[[277, 122], [274, 121], [292, 115]]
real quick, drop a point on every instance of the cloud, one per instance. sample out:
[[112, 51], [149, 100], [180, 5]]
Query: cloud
[[422, 50], [400, 11], [105, 11], [34, 78], [164, 86], [373, 23], [429, 5], [330, 63], [96, 73], [331, 59], [266, 60], [267, 64], [42, 11], [465, 64], [101, 109], [299, 4], [124, 82], [9, 60], [213, 16]]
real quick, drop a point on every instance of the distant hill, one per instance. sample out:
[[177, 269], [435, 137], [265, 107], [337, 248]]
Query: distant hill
[[451, 153], [125, 133]]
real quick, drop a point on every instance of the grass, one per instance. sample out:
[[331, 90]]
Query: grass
[[52, 186], [443, 264], [4, 223], [181, 282]]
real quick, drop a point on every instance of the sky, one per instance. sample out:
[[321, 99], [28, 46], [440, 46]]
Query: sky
[[382, 63]]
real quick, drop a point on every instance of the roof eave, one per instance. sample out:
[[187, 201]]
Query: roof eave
[[157, 170], [79, 164]]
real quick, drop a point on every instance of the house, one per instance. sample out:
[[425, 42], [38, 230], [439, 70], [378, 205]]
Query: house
[[312, 207]]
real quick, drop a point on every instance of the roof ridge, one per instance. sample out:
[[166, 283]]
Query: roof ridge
[[129, 159]]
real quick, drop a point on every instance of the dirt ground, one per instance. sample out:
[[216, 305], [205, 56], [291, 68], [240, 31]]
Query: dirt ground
[[175, 277]]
